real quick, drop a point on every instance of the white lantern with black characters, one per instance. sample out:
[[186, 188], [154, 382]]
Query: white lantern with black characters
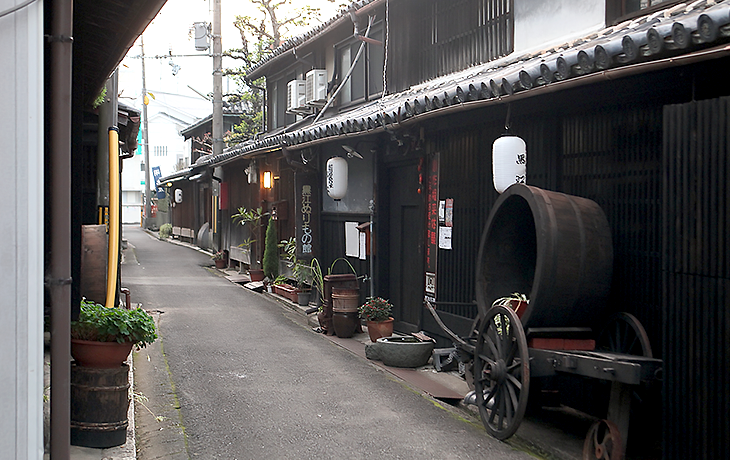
[[509, 162], [336, 177]]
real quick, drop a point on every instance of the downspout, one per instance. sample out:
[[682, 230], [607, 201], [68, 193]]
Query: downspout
[[217, 214], [113, 246], [60, 283]]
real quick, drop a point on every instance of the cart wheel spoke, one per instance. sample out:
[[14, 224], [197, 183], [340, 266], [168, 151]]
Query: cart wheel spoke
[[502, 362], [492, 347], [515, 382], [487, 360]]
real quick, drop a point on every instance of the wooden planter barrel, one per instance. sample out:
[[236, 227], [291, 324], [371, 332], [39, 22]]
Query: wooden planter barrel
[[553, 247], [99, 404]]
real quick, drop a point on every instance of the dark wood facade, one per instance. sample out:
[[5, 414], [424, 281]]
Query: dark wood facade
[[649, 146]]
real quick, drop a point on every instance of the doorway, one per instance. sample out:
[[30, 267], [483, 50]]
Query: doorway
[[406, 230]]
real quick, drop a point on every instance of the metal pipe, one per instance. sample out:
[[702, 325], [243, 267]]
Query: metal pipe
[[60, 282], [112, 268]]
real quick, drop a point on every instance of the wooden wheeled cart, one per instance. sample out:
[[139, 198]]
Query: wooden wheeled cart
[[557, 248]]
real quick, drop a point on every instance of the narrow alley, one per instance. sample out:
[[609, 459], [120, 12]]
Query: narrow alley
[[236, 375]]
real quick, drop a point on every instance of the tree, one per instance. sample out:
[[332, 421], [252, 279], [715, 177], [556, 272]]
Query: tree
[[258, 37], [271, 251]]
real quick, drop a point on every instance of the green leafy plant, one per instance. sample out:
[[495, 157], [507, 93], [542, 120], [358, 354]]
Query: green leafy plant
[[271, 251], [375, 309], [280, 279], [165, 230], [300, 269], [220, 255], [101, 324], [252, 217]]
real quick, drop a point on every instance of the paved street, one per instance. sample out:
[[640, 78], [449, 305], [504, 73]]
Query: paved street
[[237, 375]]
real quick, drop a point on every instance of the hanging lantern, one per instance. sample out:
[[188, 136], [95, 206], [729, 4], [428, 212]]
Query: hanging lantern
[[336, 177], [509, 162]]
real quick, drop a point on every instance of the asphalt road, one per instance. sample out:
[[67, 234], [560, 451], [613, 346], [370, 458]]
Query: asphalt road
[[237, 375]]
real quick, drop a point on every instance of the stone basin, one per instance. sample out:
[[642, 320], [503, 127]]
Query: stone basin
[[400, 351]]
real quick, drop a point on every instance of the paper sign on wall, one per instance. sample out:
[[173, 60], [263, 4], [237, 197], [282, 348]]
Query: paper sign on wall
[[352, 240], [445, 237]]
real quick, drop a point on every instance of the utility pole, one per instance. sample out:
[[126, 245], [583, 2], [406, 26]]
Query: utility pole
[[217, 80], [146, 143]]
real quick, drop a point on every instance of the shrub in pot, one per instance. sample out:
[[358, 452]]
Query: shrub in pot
[[376, 311], [103, 337]]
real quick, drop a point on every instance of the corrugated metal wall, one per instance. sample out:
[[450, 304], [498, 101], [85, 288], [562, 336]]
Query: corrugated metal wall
[[696, 216]]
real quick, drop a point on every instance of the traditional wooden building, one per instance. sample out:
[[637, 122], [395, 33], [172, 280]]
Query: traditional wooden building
[[617, 101]]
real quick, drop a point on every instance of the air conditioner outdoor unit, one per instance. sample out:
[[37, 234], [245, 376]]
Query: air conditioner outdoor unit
[[316, 87], [295, 92]]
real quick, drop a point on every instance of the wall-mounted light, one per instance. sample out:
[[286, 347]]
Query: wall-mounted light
[[267, 179]]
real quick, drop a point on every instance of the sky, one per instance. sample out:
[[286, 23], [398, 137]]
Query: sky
[[171, 31]]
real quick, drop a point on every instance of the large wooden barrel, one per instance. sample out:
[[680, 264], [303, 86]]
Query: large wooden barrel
[[556, 248], [99, 403]]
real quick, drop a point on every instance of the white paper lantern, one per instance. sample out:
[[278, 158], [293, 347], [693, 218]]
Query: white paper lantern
[[337, 177], [178, 195], [509, 162]]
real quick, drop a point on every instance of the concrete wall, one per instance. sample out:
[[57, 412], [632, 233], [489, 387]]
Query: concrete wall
[[540, 23], [21, 227]]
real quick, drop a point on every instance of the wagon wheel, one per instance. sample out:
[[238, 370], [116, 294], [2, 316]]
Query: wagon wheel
[[501, 372], [624, 334], [603, 442]]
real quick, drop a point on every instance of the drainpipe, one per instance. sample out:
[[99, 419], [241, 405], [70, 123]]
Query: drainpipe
[[113, 246], [60, 283]]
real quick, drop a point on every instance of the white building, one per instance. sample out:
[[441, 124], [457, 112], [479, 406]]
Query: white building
[[167, 115]]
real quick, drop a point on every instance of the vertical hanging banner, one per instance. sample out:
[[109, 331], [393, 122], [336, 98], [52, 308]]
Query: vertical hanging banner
[[432, 224], [157, 175], [307, 203]]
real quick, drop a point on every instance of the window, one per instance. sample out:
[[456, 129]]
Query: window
[[366, 80], [277, 94], [456, 34], [159, 150], [619, 10]]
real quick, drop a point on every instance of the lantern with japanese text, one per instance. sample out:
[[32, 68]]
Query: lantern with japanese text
[[509, 162], [336, 177]]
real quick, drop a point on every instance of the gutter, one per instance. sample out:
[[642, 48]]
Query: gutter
[[60, 283]]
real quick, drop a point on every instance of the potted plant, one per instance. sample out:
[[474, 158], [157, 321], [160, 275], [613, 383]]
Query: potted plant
[[221, 259], [299, 269], [516, 301], [252, 217], [103, 337], [165, 231], [376, 311]]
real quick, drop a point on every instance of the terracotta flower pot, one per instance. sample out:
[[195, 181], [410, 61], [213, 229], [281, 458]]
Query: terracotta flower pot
[[378, 329], [256, 274], [106, 355], [220, 263]]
